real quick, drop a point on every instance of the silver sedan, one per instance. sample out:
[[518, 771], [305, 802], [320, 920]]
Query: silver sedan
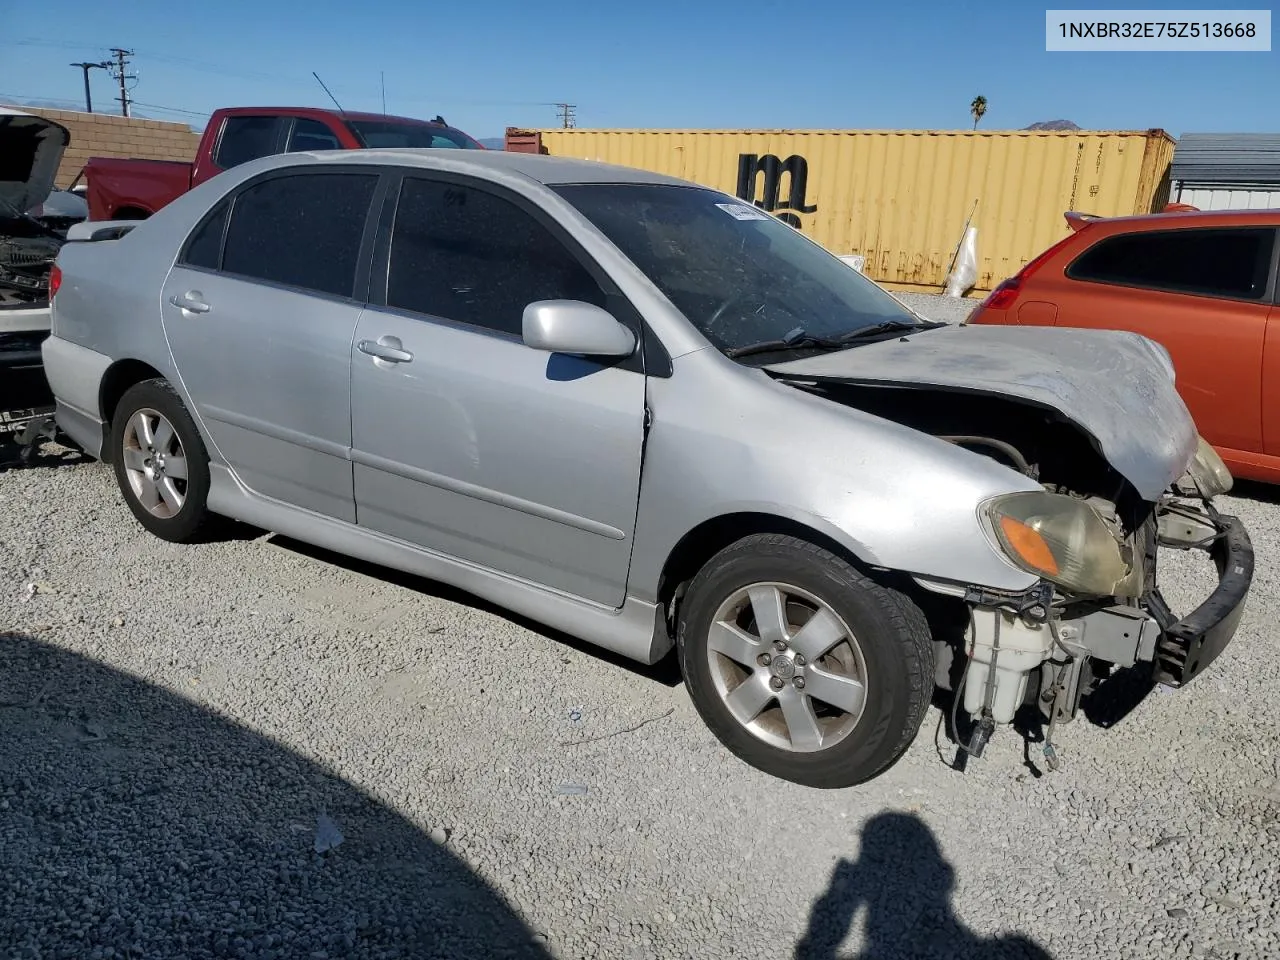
[[655, 417]]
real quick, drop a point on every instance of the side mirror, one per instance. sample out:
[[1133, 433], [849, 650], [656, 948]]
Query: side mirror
[[574, 327]]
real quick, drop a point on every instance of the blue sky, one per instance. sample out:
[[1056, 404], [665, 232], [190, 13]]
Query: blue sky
[[487, 64]]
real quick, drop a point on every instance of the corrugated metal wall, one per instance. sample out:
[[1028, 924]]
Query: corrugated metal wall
[[901, 198], [1227, 198]]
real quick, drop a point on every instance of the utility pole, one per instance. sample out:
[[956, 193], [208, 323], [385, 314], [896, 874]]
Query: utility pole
[[86, 67], [567, 118], [121, 76]]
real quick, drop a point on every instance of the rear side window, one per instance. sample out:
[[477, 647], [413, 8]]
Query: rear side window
[[311, 134], [204, 249], [244, 139], [1214, 262], [472, 257], [302, 230]]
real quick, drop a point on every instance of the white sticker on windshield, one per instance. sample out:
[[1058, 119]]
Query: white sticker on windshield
[[740, 211]]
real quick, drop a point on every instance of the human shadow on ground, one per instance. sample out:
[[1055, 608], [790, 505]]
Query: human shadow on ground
[[904, 884], [136, 823]]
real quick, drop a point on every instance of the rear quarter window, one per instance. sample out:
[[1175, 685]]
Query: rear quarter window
[[1224, 262]]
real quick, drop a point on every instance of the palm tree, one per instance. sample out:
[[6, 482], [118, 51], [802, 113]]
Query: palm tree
[[978, 108]]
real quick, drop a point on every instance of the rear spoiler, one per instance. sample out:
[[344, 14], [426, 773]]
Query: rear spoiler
[[1078, 221], [92, 230]]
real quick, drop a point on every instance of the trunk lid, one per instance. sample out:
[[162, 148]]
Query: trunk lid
[[31, 148], [1117, 387]]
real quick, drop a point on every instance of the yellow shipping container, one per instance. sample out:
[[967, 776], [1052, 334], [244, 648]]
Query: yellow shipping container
[[901, 198]]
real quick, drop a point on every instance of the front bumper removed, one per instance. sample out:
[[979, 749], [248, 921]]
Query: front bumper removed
[[1012, 639]]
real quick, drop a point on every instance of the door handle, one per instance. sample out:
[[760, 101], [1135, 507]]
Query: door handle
[[190, 301], [385, 348]]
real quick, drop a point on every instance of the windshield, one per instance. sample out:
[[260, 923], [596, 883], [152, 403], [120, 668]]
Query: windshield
[[739, 275], [389, 133]]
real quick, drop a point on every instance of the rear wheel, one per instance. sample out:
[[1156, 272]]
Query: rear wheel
[[800, 665], [160, 462]]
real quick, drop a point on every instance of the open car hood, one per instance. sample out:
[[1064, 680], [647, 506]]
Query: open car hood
[[30, 150], [1117, 387]]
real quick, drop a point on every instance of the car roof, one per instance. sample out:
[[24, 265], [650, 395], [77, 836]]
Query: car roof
[[541, 168], [330, 112], [1187, 218]]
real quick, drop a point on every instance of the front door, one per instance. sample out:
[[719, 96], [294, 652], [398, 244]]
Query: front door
[[260, 327], [466, 441]]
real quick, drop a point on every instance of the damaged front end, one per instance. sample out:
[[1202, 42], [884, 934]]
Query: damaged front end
[[1060, 407], [1056, 642]]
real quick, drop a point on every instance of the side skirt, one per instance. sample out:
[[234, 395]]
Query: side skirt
[[635, 631]]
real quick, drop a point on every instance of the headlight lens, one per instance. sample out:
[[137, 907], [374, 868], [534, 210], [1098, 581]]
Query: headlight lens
[[1207, 474], [1059, 538]]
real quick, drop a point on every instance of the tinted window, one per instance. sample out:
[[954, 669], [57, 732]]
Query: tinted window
[[1212, 262], [311, 135], [472, 257], [244, 139], [389, 133], [205, 245], [302, 230]]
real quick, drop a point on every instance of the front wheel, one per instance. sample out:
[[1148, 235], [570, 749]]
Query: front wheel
[[800, 665], [160, 462]]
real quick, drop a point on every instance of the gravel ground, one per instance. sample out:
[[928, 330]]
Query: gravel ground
[[937, 307], [183, 727]]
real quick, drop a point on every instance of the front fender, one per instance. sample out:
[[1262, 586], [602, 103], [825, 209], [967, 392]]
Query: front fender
[[727, 439]]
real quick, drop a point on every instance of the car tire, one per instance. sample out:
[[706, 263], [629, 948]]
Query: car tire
[[161, 463], [751, 682]]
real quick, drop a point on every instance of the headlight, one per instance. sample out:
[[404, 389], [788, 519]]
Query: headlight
[[1059, 538], [1207, 475]]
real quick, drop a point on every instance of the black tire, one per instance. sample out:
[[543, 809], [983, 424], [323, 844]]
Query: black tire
[[891, 631], [192, 521]]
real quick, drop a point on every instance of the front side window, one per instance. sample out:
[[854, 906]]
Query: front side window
[[302, 230], [244, 139], [739, 275], [473, 257], [1211, 262], [311, 134]]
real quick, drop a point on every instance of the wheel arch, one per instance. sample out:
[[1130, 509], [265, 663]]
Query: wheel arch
[[692, 551], [119, 377]]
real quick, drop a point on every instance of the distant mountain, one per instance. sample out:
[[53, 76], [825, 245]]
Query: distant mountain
[[493, 143], [1053, 125]]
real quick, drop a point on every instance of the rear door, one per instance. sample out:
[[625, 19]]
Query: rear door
[[243, 137], [1205, 294], [259, 313]]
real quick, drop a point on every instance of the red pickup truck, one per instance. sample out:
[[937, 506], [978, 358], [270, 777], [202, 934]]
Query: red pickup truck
[[134, 189]]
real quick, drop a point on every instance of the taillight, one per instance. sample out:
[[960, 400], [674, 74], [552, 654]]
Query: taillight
[[55, 280], [1002, 297], [1006, 293]]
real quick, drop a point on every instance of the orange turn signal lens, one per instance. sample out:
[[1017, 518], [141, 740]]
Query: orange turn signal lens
[[1029, 545]]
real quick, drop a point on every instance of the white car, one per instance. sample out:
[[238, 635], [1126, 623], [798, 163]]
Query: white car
[[34, 218]]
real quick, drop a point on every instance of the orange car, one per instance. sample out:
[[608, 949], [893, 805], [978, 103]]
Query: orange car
[[1201, 284]]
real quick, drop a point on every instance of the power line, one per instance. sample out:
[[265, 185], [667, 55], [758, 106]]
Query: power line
[[121, 63], [157, 106]]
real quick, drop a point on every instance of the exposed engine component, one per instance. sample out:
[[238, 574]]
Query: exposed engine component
[[24, 266]]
